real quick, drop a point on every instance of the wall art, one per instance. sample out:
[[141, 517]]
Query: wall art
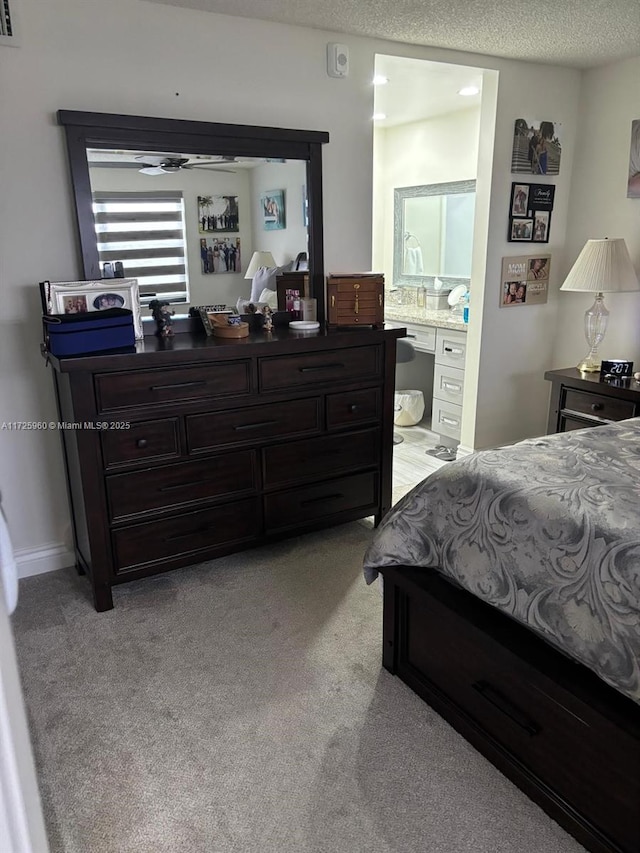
[[537, 147], [218, 213], [273, 210], [525, 280], [220, 255], [633, 183], [530, 212]]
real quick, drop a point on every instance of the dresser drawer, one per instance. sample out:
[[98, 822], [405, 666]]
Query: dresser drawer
[[446, 418], [597, 406], [236, 426], [310, 459], [548, 730], [448, 383], [140, 546], [169, 385], [451, 347], [173, 485], [143, 441], [352, 407], [295, 507], [301, 371]]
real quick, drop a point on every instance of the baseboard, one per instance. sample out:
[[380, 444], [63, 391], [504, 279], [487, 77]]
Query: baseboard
[[48, 558], [462, 450]]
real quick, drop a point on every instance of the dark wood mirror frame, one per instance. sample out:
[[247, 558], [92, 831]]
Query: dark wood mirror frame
[[104, 130]]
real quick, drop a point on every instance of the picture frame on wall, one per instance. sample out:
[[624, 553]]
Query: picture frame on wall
[[521, 229], [525, 280], [218, 213], [272, 204], [537, 147], [87, 297], [530, 209]]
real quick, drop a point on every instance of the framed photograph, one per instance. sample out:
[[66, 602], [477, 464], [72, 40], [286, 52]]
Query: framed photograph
[[219, 255], [541, 220], [519, 199], [521, 229], [633, 182], [525, 280], [537, 147], [83, 297], [273, 210], [218, 213]]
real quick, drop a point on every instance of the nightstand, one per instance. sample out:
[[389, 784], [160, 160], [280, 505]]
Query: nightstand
[[580, 400]]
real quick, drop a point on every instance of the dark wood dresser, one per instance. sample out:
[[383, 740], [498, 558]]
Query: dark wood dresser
[[580, 400], [193, 447]]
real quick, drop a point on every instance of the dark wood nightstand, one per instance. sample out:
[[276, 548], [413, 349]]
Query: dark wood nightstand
[[580, 400]]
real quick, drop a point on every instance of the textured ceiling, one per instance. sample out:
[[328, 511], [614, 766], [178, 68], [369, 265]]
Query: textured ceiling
[[578, 33]]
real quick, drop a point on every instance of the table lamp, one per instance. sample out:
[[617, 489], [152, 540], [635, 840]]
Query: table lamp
[[603, 266], [259, 259]]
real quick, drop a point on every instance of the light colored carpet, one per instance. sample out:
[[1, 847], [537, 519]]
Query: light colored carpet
[[240, 707]]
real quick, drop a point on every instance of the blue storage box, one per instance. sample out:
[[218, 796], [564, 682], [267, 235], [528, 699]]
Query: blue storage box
[[81, 334]]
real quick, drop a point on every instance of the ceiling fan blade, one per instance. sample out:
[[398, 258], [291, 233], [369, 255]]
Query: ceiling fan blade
[[153, 170], [210, 168], [151, 160]]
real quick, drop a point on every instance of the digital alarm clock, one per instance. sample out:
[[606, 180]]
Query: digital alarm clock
[[616, 368]]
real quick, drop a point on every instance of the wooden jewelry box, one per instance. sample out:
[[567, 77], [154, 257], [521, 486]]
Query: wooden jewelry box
[[355, 299]]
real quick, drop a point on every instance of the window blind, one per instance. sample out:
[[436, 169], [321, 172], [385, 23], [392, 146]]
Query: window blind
[[145, 231]]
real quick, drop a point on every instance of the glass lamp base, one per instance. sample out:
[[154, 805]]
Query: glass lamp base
[[589, 364]]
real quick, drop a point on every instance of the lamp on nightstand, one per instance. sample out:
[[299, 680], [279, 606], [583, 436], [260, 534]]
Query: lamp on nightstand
[[603, 266]]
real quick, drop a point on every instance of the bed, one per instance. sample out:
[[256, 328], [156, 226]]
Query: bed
[[512, 605]]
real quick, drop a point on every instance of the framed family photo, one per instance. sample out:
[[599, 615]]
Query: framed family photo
[[525, 280], [218, 213], [86, 297], [530, 212]]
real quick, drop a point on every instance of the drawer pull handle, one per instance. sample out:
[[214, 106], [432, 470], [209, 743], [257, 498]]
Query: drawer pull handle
[[454, 350], [180, 486], [187, 535], [322, 498], [142, 443], [321, 367], [503, 704], [177, 385], [450, 387], [597, 407], [354, 407], [258, 425], [449, 421], [411, 336]]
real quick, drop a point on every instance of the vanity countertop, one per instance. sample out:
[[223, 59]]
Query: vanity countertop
[[445, 319]]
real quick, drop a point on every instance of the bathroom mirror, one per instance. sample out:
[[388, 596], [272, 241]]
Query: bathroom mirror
[[208, 185], [433, 233]]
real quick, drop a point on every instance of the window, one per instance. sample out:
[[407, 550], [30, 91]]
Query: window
[[145, 231]]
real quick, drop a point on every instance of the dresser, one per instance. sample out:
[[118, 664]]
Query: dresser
[[580, 400], [192, 447]]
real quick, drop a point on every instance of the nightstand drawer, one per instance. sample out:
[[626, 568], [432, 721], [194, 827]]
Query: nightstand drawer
[[172, 486], [302, 371], [142, 442], [170, 385], [597, 405], [255, 424]]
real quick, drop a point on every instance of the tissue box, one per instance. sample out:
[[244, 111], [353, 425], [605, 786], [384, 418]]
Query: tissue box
[[437, 300]]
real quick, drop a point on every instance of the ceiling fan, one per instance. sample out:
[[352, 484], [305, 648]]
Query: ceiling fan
[[166, 164]]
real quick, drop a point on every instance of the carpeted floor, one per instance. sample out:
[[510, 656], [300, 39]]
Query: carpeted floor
[[240, 707]]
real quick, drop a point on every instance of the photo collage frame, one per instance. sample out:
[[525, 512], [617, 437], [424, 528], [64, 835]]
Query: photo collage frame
[[530, 212]]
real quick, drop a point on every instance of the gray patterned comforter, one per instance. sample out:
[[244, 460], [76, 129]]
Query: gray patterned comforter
[[547, 530]]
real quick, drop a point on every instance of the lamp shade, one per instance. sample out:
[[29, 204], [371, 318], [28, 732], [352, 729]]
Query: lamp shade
[[259, 259], [603, 266]]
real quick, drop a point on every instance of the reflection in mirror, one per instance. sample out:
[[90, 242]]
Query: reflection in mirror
[[433, 232], [241, 188], [186, 225]]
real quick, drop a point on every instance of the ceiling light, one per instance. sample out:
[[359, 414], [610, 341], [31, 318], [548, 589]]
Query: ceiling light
[[467, 91], [380, 80], [379, 116]]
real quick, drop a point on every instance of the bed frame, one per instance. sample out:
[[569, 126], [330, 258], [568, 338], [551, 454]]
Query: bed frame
[[563, 736]]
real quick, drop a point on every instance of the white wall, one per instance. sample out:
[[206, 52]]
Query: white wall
[[128, 56], [286, 243], [599, 208]]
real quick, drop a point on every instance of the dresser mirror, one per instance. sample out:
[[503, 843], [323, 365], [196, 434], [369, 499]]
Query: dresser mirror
[[182, 205], [433, 233]]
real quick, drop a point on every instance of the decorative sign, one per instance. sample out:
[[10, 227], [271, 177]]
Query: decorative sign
[[525, 280]]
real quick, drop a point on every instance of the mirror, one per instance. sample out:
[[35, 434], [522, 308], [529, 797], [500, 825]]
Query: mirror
[[182, 205], [433, 233]]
